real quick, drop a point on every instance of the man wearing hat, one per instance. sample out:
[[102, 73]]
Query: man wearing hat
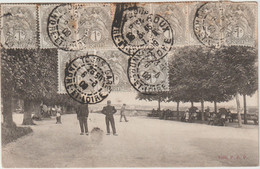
[[109, 111]]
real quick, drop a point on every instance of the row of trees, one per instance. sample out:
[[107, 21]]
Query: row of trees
[[196, 74], [199, 74], [30, 75]]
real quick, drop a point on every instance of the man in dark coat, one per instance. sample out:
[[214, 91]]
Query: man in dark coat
[[109, 111], [82, 115]]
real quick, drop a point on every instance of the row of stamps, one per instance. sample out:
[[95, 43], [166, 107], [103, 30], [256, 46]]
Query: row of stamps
[[117, 62], [142, 74], [129, 27], [89, 78], [122, 47], [146, 37]]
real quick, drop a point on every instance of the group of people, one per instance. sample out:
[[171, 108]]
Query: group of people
[[109, 111], [220, 117], [47, 111], [213, 118], [191, 114]]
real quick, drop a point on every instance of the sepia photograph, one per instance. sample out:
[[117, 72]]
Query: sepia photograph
[[120, 84]]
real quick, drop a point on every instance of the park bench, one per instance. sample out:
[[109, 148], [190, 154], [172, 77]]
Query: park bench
[[250, 117], [171, 114]]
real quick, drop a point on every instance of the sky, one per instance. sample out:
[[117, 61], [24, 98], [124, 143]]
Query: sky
[[129, 98]]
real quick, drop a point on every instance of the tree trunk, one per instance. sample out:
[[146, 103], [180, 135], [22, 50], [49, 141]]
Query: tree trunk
[[202, 110], [7, 112], [27, 116], [21, 105], [64, 109], [192, 104], [13, 107], [70, 109], [245, 117], [178, 113], [159, 104], [238, 111], [37, 108], [215, 107]]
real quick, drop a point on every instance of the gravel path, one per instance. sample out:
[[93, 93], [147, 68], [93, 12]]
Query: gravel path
[[142, 142]]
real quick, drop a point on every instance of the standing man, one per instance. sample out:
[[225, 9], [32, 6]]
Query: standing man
[[82, 115], [109, 111], [122, 113]]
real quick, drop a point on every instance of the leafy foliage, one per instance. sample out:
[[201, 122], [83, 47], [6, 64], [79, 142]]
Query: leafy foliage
[[198, 73], [161, 96], [240, 62], [32, 75]]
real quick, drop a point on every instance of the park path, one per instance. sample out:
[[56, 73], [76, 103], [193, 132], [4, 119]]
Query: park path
[[142, 142]]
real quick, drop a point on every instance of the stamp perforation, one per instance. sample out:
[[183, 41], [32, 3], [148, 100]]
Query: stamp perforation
[[37, 27]]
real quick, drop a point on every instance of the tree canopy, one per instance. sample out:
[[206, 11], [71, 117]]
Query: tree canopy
[[32, 75], [197, 73]]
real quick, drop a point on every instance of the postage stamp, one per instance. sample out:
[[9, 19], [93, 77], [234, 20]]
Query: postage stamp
[[18, 26], [118, 62], [116, 59], [76, 26], [44, 11], [88, 79], [224, 23], [175, 14], [137, 28], [242, 28], [147, 74], [64, 58], [192, 8], [98, 24], [128, 32], [66, 28]]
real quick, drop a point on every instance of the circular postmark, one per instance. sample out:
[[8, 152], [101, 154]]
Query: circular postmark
[[88, 79], [147, 74], [209, 24], [135, 29], [66, 28], [223, 23]]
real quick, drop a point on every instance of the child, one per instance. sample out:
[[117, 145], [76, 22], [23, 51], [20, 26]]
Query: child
[[58, 117], [187, 115]]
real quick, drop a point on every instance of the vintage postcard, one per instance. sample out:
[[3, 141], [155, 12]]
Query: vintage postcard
[[161, 84]]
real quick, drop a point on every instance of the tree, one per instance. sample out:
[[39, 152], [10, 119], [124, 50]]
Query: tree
[[175, 94], [242, 67], [197, 72], [217, 75], [32, 76], [7, 87], [160, 96]]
